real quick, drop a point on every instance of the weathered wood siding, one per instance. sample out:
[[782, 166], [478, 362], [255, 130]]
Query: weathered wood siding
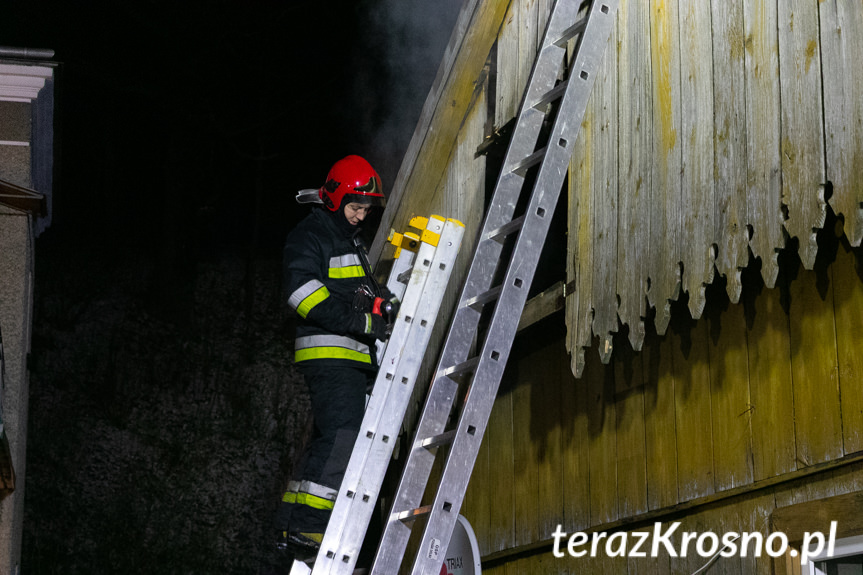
[[712, 423], [749, 513], [717, 130], [732, 125], [460, 196]]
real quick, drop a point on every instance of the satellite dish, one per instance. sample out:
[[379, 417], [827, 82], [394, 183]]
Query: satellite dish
[[462, 555]]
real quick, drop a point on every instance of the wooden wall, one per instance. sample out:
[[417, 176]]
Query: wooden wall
[[738, 402], [750, 512], [707, 366], [465, 173], [718, 129]]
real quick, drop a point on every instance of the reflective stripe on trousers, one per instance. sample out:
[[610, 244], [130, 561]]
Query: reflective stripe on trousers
[[310, 493]]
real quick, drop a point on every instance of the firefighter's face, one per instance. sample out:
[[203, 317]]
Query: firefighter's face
[[356, 212]]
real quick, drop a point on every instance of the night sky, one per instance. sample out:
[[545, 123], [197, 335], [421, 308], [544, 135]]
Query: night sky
[[185, 128]]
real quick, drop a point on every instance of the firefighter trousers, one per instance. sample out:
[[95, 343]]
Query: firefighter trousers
[[338, 396]]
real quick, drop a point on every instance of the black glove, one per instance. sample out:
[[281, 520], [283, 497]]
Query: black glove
[[367, 323], [376, 325]]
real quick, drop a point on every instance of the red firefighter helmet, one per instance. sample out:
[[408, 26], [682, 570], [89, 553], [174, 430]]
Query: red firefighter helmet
[[353, 179]]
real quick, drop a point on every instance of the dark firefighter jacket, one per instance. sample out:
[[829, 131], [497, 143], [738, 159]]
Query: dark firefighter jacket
[[323, 269]]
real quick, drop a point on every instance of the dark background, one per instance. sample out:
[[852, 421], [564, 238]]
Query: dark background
[[165, 416]]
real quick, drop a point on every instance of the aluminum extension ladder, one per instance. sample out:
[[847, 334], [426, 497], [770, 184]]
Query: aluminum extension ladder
[[419, 277], [589, 23]]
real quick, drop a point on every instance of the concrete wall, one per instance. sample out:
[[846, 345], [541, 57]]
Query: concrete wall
[[16, 301], [26, 160]]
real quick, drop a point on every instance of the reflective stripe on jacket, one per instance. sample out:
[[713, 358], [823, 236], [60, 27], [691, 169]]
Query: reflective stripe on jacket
[[308, 296], [331, 346], [346, 266]]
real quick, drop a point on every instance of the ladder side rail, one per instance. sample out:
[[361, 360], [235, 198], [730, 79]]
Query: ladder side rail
[[510, 183], [384, 378], [543, 77], [377, 403], [483, 389], [485, 259], [504, 324], [443, 389], [508, 189], [502, 206], [370, 482], [522, 144]]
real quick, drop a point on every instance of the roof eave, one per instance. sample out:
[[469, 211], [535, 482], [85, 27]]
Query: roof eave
[[24, 199]]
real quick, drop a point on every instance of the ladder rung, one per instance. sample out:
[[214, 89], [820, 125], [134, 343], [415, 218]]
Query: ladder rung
[[461, 368], [505, 230], [444, 438], [478, 302], [534, 159], [412, 514], [555, 93], [571, 32]]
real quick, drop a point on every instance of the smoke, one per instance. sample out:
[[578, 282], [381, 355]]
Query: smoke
[[410, 37]]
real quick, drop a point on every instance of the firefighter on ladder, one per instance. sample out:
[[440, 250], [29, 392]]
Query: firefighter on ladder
[[342, 311]]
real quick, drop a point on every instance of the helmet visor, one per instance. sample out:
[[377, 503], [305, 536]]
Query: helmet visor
[[364, 199], [370, 192]]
